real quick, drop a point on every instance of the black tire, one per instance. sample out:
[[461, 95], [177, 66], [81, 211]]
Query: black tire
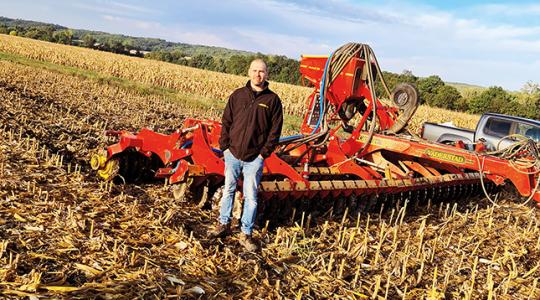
[[405, 97]]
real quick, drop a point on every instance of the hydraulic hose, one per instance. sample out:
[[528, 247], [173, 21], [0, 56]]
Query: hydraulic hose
[[335, 64], [321, 104]]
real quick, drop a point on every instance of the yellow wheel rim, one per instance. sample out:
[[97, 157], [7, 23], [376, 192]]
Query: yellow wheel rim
[[97, 161], [110, 170]]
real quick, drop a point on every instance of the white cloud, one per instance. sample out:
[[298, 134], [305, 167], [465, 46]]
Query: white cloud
[[133, 23], [288, 44], [475, 29], [182, 33], [115, 8], [506, 73], [201, 38], [133, 8], [514, 9]]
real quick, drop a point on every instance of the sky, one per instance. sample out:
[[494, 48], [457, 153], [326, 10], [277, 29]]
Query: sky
[[487, 43]]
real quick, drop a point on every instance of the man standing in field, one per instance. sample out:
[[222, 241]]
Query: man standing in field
[[251, 126]]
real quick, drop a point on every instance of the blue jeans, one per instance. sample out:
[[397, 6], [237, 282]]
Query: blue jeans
[[252, 171]]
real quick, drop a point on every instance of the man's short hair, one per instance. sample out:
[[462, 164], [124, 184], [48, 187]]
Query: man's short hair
[[259, 60]]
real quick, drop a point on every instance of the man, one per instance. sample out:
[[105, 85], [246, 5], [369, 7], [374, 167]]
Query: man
[[251, 126]]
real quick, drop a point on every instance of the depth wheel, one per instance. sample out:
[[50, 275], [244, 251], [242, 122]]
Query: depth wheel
[[110, 171], [405, 97]]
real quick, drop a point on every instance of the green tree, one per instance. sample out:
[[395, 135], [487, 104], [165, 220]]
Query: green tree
[[527, 99], [63, 36], [115, 46], [408, 76], [161, 55], [178, 57], [13, 33], [47, 33], [88, 40], [237, 64], [462, 104], [446, 97], [44, 33], [393, 79], [494, 99], [428, 88], [536, 107], [32, 33], [128, 44], [219, 65], [283, 69], [202, 61], [527, 108]]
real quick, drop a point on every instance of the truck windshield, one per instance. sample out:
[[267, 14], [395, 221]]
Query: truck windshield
[[529, 131]]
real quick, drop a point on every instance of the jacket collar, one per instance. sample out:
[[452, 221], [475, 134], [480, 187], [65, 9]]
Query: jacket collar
[[264, 91]]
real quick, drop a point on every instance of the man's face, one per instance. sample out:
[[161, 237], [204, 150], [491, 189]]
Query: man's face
[[258, 73]]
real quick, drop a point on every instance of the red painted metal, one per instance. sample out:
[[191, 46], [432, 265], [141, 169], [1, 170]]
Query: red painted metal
[[456, 159]]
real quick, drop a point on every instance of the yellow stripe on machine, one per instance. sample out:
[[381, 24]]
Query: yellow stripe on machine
[[310, 67], [386, 143]]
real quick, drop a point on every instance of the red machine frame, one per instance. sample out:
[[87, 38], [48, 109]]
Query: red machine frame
[[387, 164]]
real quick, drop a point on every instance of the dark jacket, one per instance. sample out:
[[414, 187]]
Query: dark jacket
[[251, 123]]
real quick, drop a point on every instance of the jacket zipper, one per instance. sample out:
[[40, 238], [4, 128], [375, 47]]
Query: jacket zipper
[[249, 108]]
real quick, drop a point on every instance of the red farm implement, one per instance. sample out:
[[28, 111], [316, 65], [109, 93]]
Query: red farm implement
[[351, 146]]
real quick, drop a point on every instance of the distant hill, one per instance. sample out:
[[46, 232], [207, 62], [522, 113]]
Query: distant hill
[[26, 23], [465, 89], [139, 43], [155, 44]]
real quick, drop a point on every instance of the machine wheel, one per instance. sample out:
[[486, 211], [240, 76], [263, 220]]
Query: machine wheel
[[405, 97], [111, 170]]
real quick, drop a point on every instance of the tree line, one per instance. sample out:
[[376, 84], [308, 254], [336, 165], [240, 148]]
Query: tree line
[[66, 36], [280, 68], [48, 33], [436, 93], [106, 41]]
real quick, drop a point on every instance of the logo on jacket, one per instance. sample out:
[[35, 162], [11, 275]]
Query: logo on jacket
[[263, 105]]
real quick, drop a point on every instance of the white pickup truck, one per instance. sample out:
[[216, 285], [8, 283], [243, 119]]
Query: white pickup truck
[[491, 130]]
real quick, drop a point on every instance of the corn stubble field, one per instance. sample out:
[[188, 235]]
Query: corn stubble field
[[65, 234]]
